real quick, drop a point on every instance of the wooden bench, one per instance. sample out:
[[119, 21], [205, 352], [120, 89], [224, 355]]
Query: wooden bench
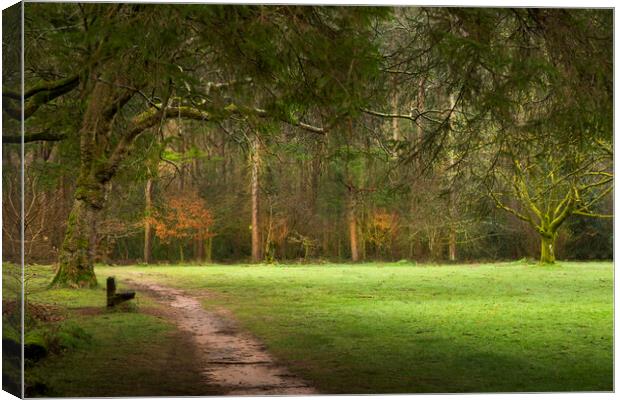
[[116, 298]]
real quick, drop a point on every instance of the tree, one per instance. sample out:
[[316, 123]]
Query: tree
[[527, 81], [184, 216], [550, 186], [255, 161], [494, 62], [120, 73], [381, 229], [107, 83]]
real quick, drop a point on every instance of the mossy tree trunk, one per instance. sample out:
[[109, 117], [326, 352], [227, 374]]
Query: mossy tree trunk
[[75, 261], [99, 161], [547, 248]]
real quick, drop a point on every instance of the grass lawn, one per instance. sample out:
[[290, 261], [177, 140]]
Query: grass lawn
[[96, 352], [371, 328], [398, 328]]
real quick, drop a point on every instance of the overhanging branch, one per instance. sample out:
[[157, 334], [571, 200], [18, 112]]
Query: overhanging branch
[[307, 127], [37, 96], [155, 115], [44, 136], [388, 115]]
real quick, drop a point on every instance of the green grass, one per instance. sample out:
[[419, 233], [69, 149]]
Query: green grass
[[96, 352], [135, 355], [394, 328]]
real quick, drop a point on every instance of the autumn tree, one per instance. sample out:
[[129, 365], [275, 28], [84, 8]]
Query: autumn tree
[[182, 217], [381, 229]]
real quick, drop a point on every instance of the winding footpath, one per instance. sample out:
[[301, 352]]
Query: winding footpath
[[232, 360]]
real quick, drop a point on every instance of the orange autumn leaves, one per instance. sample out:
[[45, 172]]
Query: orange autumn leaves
[[182, 216], [381, 227]]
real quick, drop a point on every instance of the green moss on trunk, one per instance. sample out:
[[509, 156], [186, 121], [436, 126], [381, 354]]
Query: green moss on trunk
[[547, 249], [75, 262]]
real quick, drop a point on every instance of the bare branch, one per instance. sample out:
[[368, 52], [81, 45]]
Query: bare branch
[[514, 212], [603, 181], [594, 215]]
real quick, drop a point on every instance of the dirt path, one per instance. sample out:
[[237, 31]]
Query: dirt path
[[231, 359]]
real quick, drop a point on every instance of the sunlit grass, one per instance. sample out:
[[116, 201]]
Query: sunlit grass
[[387, 328], [371, 328]]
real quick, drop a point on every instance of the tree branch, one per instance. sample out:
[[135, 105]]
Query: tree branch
[[37, 96], [522, 191], [307, 127], [153, 116], [564, 214], [596, 199], [606, 147], [603, 181], [388, 115], [594, 215], [514, 212], [44, 136], [61, 84]]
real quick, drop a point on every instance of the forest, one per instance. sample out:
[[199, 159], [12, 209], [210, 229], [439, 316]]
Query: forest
[[430, 187], [272, 133]]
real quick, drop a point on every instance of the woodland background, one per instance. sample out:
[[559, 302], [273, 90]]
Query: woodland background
[[283, 133]]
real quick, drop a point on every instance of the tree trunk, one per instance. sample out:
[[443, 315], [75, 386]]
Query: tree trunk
[[431, 245], [182, 150], [148, 200], [452, 244], [353, 229], [416, 135], [254, 192], [209, 249], [547, 249], [351, 206], [396, 136], [314, 181], [269, 252], [339, 247], [75, 262], [198, 249], [452, 196]]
